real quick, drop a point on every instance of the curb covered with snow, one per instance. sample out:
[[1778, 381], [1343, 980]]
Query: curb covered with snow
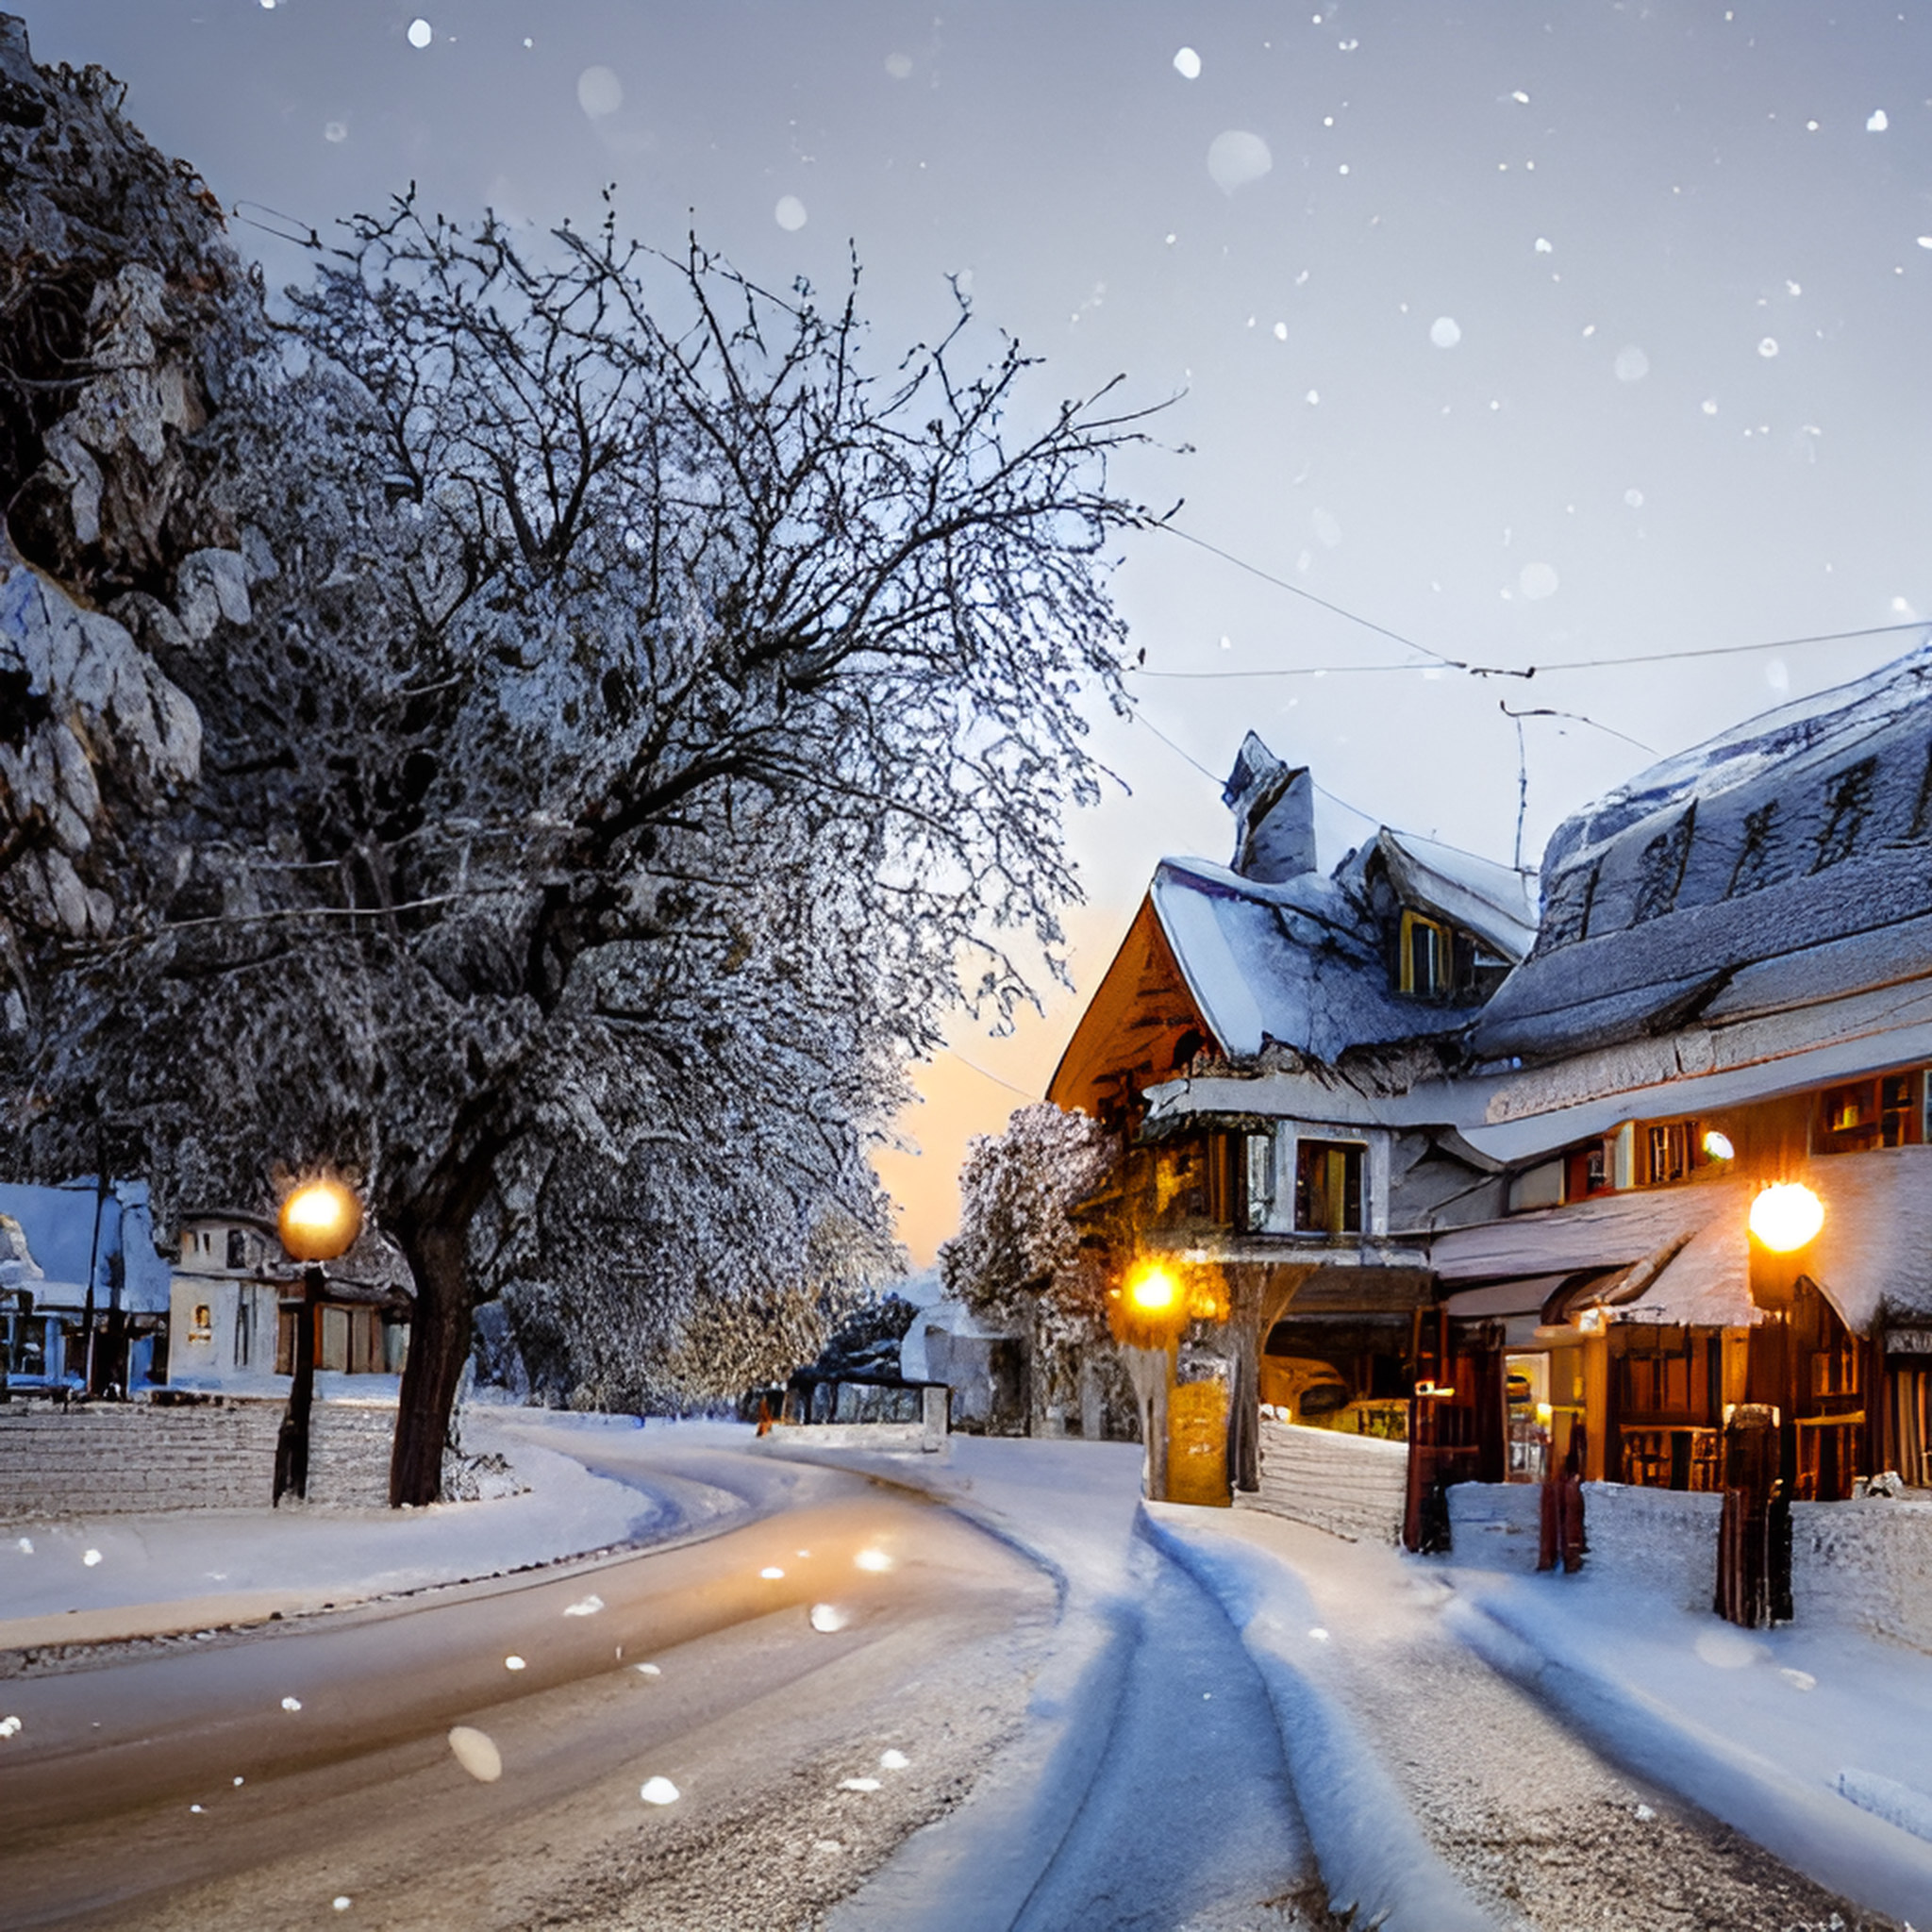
[[1373, 1858], [1848, 1832]]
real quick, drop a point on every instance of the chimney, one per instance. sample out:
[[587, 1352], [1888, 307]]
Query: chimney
[[1273, 807]]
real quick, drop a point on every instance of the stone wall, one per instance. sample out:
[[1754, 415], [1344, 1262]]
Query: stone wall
[[1864, 1565], [123, 1458], [1351, 1485]]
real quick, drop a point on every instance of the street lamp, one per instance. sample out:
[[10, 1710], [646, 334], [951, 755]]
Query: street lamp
[[318, 1221], [1786, 1215]]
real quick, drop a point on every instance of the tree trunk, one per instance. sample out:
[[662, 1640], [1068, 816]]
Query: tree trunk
[[439, 1346], [433, 1230]]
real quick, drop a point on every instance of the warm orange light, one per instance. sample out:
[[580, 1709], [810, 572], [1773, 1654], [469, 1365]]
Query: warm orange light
[[1154, 1291], [320, 1220], [1786, 1215]]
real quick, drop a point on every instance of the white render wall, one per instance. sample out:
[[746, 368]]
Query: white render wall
[[125, 1458], [1351, 1485]]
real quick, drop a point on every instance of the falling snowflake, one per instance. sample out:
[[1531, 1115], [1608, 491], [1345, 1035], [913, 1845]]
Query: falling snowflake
[[659, 1790], [585, 1607], [599, 91], [1768, 347], [647, 1670], [1320, 1635], [1537, 582], [342, 1901], [859, 1783], [893, 1760], [899, 65], [1236, 157], [91, 1558], [790, 213], [1186, 63], [420, 33], [9, 1727], [26, 1543], [1632, 365], [1281, 331], [872, 1560], [291, 1703], [771, 1573], [476, 1752], [335, 131], [1878, 123], [513, 1662], [1634, 498], [1445, 332], [828, 1617], [1542, 245]]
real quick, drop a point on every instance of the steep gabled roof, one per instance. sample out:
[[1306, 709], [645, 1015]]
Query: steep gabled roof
[[1299, 963], [1748, 869]]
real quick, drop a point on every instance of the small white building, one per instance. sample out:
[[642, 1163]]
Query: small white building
[[235, 1297]]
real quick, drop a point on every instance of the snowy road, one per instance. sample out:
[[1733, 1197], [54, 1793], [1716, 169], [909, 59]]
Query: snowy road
[[1033, 1711], [253, 1780]]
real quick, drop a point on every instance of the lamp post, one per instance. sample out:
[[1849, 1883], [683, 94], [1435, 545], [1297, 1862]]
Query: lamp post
[[318, 1221], [1147, 1314]]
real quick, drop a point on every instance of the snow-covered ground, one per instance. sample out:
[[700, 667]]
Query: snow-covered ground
[[1464, 1746], [141, 1576]]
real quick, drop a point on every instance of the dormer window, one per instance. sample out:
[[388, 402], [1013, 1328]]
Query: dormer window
[[1428, 957]]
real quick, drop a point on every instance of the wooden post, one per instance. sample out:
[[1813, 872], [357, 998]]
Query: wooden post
[[1748, 1585]]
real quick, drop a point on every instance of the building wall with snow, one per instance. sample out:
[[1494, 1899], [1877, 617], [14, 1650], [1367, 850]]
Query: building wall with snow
[[126, 1458], [1351, 1485]]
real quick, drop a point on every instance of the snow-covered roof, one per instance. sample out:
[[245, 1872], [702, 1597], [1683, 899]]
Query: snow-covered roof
[[1299, 963], [1300, 960], [1732, 877], [1495, 902]]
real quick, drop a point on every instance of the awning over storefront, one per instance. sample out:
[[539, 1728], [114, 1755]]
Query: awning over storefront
[[1699, 1281]]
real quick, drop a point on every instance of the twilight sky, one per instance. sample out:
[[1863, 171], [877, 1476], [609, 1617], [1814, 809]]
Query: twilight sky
[[1530, 333]]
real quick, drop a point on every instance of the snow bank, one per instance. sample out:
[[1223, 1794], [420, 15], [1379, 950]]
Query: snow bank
[[1864, 1565], [1372, 1855], [305, 1558], [1773, 1732]]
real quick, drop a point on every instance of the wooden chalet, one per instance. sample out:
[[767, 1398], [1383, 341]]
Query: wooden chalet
[[1493, 1184]]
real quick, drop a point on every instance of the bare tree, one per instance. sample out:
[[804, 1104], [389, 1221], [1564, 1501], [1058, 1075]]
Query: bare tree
[[643, 708], [1021, 1254]]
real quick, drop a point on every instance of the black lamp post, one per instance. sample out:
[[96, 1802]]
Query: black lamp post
[[318, 1221]]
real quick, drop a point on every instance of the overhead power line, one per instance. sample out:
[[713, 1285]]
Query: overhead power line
[[1438, 659]]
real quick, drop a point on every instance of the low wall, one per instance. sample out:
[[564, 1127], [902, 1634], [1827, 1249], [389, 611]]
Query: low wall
[[1496, 1525], [1864, 1565], [1663, 1540], [1351, 1485], [127, 1458]]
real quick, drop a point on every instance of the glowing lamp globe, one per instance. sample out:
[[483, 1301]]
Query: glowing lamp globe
[[320, 1220], [1152, 1292], [1786, 1215]]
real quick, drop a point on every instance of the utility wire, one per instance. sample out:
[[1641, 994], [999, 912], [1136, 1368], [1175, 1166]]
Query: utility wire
[[973, 1067], [1474, 670]]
